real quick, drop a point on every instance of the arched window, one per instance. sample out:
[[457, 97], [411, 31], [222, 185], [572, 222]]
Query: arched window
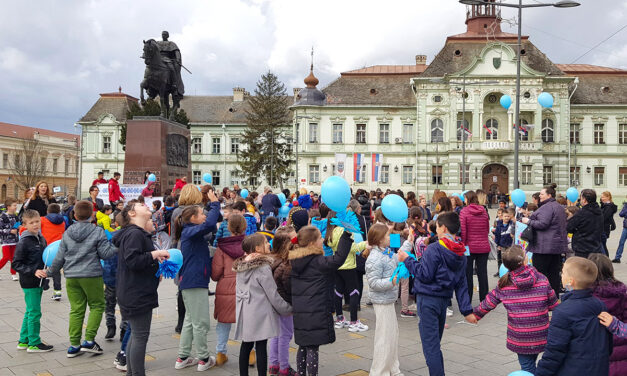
[[437, 130], [492, 129], [466, 130], [547, 130], [524, 132]]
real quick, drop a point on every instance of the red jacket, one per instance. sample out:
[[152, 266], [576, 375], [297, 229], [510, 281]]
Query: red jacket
[[99, 181], [475, 228], [114, 191], [179, 185]]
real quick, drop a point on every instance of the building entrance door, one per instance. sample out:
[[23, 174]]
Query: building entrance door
[[495, 180]]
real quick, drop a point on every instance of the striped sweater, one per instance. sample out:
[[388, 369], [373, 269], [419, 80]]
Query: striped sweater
[[527, 300]]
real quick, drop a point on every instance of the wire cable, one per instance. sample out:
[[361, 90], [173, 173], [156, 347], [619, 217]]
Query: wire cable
[[598, 44]]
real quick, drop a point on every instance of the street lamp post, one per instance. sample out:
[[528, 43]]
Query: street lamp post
[[520, 6]]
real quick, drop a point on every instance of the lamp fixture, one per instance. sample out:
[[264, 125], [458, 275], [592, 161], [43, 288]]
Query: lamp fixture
[[588, 169], [324, 169], [395, 168]]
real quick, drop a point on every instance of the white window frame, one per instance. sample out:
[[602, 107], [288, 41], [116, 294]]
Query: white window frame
[[622, 176], [437, 130], [338, 133], [313, 133], [196, 177], [467, 174], [408, 174], [216, 144], [548, 130], [313, 174], [234, 145], [493, 125], [574, 135], [599, 133], [547, 175], [197, 145], [575, 175], [436, 179], [622, 134], [106, 144], [55, 165], [384, 133], [599, 175], [526, 174], [360, 134], [408, 133], [385, 174], [460, 131], [215, 177]]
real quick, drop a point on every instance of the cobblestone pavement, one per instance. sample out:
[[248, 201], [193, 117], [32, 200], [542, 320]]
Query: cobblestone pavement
[[468, 350]]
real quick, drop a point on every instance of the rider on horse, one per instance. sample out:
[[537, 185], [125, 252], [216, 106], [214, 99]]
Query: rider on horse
[[171, 56]]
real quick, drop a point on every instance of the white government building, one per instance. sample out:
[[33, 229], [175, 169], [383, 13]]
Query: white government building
[[409, 115]]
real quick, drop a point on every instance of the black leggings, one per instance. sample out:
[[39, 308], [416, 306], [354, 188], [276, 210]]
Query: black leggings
[[262, 357], [180, 306], [550, 265], [481, 259], [346, 282], [307, 360]]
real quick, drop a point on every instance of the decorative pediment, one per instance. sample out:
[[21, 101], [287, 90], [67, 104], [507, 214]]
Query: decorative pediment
[[106, 119], [361, 119], [438, 112], [337, 119], [600, 119], [576, 119], [384, 119], [496, 59]]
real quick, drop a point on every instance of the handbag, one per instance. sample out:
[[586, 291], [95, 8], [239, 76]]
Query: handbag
[[528, 235]]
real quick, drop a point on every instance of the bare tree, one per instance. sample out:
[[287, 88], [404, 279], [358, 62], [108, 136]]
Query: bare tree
[[28, 164]]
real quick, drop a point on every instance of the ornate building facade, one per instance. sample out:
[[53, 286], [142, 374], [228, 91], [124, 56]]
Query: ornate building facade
[[403, 124]]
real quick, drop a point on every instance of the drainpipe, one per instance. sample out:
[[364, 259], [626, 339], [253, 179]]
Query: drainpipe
[[569, 130]]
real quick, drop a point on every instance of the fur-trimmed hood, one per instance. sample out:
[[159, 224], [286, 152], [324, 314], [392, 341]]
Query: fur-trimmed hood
[[304, 252], [252, 261]]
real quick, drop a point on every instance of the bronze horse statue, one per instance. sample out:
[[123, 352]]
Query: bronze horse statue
[[158, 81]]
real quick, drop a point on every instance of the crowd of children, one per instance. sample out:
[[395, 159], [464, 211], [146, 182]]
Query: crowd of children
[[295, 277]]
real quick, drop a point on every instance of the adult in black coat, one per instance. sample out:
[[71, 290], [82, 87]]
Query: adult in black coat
[[587, 226], [366, 209], [311, 273], [136, 282], [40, 199], [609, 209]]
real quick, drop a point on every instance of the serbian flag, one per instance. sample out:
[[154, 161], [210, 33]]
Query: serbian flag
[[377, 160], [358, 162], [465, 130], [487, 129], [522, 130]]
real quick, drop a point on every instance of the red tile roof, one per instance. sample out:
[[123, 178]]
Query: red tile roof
[[21, 131], [376, 70], [588, 69]]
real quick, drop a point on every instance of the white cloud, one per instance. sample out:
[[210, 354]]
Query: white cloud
[[56, 56]]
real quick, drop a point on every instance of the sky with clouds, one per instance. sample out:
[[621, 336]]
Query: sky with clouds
[[57, 56]]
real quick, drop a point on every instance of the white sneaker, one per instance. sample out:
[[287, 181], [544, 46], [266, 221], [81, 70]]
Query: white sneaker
[[180, 364], [202, 366], [15, 277], [449, 312], [357, 326], [341, 323]]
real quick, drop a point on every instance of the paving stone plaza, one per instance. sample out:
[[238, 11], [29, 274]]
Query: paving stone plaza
[[468, 350]]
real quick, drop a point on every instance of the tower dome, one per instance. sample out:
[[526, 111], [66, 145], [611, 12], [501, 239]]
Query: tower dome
[[310, 95]]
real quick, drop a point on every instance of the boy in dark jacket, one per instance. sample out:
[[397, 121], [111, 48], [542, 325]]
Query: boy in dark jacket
[[80, 251], [577, 344], [441, 271], [30, 266], [504, 234]]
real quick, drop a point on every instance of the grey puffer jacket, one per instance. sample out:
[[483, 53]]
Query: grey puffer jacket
[[80, 251], [379, 269]]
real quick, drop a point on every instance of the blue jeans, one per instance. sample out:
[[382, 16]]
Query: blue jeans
[[621, 244], [528, 362], [222, 331], [432, 314], [127, 336]]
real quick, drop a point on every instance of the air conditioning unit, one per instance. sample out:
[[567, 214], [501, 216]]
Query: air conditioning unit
[[398, 140]]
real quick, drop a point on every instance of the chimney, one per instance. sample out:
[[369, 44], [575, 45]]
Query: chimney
[[238, 94], [421, 59]]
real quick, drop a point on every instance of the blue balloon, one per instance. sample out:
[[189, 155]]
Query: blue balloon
[[152, 177], [546, 100], [282, 198], [244, 193], [357, 237], [572, 194], [502, 270], [518, 197], [506, 101], [207, 178], [50, 252], [108, 234], [336, 193], [284, 211], [520, 373], [176, 256], [460, 195], [394, 208]]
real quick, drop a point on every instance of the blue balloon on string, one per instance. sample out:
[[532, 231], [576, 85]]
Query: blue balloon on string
[[284, 211], [394, 208], [336, 193], [207, 178], [503, 270], [572, 194], [152, 177], [282, 198], [546, 100], [506, 101], [518, 197], [50, 252], [244, 193], [176, 256]]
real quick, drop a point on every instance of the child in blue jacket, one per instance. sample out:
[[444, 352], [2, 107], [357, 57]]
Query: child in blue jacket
[[503, 233], [441, 271]]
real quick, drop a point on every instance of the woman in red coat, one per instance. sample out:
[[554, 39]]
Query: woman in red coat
[[475, 227]]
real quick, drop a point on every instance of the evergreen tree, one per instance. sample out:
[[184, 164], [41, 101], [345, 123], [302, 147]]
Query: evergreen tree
[[151, 108], [267, 151]]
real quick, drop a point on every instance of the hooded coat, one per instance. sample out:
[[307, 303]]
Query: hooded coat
[[527, 300], [475, 226], [258, 304], [380, 267], [608, 210], [587, 229], [136, 283], [549, 225], [229, 249], [304, 201], [281, 270], [52, 227], [614, 296], [311, 274], [80, 251], [441, 271], [28, 259]]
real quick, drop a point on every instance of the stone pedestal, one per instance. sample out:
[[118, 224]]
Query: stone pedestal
[[160, 146]]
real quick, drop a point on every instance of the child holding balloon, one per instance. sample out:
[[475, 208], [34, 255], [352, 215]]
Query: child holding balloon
[[80, 251], [28, 262], [194, 277], [380, 267]]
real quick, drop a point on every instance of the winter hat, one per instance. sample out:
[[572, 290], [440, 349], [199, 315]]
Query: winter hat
[[300, 219]]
